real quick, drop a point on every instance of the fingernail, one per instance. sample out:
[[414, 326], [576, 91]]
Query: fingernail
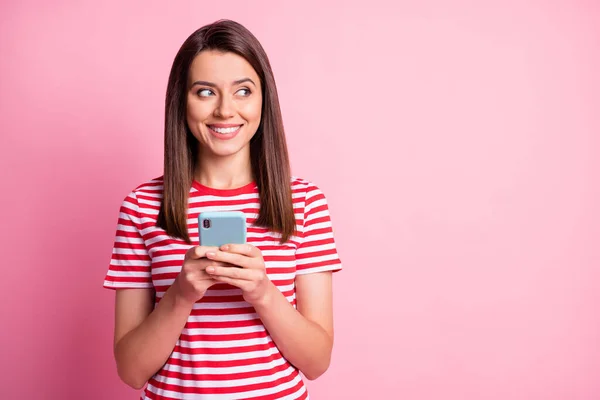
[[210, 270], [211, 254], [225, 247]]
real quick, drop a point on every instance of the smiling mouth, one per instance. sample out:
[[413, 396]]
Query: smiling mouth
[[224, 130]]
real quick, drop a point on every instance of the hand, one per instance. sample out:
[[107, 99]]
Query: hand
[[193, 281], [251, 277]]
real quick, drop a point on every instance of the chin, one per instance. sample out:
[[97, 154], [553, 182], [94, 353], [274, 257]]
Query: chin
[[225, 151]]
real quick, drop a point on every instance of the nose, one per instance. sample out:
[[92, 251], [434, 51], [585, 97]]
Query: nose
[[225, 108]]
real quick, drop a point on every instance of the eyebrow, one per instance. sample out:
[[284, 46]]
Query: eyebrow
[[235, 83]]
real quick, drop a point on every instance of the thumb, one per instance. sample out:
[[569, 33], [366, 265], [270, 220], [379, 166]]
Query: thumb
[[197, 252]]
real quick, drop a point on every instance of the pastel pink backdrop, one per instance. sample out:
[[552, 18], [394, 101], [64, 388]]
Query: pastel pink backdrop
[[457, 142]]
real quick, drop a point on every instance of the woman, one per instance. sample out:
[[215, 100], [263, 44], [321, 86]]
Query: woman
[[238, 321]]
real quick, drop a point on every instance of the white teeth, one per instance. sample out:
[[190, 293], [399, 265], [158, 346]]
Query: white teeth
[[225, 130]]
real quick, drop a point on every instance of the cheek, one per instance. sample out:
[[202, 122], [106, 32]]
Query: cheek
[[252, 112], [196, 112], [193, 120]]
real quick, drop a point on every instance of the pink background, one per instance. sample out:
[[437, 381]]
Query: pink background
[[457, 142]]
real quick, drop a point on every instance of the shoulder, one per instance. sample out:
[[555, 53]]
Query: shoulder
[[148, 193], [305, 189], [150, 188], [302, 185]]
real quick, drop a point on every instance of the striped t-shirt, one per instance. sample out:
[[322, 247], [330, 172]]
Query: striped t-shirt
[[224, 350]]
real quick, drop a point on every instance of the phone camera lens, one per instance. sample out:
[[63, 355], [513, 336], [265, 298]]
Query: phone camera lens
[[206, 223]]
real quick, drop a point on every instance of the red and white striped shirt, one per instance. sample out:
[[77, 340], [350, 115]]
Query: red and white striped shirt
[[224, 350]]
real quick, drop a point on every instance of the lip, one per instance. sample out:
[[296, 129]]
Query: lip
[[226, 136], [224, 125]]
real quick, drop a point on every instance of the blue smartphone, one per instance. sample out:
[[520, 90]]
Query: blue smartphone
[[216, 228]]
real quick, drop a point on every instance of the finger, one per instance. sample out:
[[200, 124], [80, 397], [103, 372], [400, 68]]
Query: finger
[[233, 273], [242, 284], [243, 249], [195, 272], [200, 266], [198, 252], [231, 258], [205, 262]]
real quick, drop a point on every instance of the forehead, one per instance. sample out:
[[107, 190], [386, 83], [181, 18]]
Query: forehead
[[221, 68]]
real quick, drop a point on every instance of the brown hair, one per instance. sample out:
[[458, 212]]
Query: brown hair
[[268, 148]]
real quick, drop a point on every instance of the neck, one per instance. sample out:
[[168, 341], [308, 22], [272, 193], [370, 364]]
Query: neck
[[228, 172]]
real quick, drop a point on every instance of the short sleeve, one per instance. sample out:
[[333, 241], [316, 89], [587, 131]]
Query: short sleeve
[[130, 264], [317, 251]]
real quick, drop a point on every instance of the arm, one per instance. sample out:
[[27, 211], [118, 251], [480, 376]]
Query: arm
[[144, 339], [304, 336]]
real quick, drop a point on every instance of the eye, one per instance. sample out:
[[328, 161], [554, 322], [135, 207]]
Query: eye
[[205, 92], [245, 92]]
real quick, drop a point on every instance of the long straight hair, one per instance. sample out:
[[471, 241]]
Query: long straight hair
[[268, 149]]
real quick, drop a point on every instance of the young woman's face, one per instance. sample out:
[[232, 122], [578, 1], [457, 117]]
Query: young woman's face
[[224, 102]]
